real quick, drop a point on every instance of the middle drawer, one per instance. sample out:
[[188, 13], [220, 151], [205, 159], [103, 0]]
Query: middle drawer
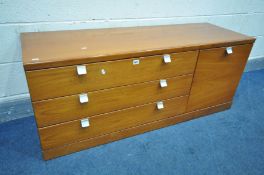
[[62, 109]]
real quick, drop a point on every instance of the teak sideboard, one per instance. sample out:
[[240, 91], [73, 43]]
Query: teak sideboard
[[91, 87]]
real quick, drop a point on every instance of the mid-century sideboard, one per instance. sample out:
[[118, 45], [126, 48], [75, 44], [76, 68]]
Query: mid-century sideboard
[[91, 87]]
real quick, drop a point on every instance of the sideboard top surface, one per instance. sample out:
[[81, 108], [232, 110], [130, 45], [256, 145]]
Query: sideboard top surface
[[63, 48]]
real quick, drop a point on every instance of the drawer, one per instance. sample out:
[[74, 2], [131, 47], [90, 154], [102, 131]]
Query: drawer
[[57, 82], [62, 109], [217, 76], [65, 133]]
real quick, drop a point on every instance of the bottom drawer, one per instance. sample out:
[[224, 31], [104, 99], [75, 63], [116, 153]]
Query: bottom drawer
[[68, 132]]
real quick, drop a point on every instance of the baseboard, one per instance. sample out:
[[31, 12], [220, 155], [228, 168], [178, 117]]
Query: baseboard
[[15, 107], [255, 63], [19, 106]]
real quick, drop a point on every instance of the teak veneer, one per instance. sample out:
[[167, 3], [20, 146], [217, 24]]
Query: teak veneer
[[119, 73], [68, 108], [91, 87]]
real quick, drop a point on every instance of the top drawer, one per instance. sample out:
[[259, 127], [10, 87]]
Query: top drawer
[[56, 82]]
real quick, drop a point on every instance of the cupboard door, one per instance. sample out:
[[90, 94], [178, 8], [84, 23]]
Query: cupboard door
[[217, 76]]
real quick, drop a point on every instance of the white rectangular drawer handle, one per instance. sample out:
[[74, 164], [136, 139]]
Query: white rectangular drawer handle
[[229, 50], [81, 70], [83, 98], [166, 58], [160, 105], [85, 123], [163, 83]]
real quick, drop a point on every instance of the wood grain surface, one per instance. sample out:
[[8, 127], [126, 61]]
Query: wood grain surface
[[88, 143], [50, 83], [68, 108], [202, 79], [70, 132], [60, 48], [217, 76]]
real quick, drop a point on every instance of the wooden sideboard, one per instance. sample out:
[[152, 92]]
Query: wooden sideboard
[[91, 87]]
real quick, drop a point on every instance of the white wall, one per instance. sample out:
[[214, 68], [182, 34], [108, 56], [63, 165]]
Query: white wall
[[16, 16]]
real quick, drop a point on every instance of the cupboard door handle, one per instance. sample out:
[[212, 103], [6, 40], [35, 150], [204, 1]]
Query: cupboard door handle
[[81, 70], [83, 98], [85, 123], [163, 83], [229, 50], [166, 58], [160, 105]]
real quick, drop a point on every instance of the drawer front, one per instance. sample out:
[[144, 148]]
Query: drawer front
[[217, 76], [57, 82], [68, 108], [65, 133]]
